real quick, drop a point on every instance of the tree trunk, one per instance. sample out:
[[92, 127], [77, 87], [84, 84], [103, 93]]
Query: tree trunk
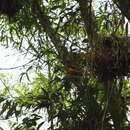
[[115, 104]]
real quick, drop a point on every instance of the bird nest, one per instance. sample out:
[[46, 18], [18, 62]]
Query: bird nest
[[110, 58]]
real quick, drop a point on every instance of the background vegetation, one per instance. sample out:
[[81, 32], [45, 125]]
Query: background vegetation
[[80, 56]]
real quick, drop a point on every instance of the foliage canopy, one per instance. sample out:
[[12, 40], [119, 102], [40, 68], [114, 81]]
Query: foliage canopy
[[81, 58]]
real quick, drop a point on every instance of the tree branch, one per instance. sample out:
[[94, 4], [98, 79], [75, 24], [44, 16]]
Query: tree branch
[[124, 7], [88, 17], [44, 22]]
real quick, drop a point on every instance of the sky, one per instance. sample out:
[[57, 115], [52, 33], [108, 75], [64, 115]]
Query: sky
[[10, 58]]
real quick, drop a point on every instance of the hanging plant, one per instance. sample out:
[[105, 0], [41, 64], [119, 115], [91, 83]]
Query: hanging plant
[[111, 57]]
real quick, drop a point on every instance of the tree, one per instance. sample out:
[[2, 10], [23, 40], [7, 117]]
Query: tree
[[87, 56]]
